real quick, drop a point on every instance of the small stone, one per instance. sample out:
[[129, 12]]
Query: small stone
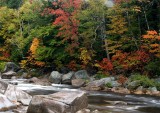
[[96, 111], [25, 102], [120, 90], [84, 111], [153, 89], [139, 90]]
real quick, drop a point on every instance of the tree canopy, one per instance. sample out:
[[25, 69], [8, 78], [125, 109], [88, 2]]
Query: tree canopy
[[80, 34]]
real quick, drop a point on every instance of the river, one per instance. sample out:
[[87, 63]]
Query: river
[[106, 102]]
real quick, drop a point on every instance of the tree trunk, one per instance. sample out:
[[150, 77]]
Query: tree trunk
[[106, 48], [146, 18], [103, 34]]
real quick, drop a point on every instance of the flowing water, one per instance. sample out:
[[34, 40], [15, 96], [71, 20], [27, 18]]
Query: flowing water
[[106, 102]]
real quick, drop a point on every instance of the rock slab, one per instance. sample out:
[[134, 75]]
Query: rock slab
[[16, 95], [61, 102]]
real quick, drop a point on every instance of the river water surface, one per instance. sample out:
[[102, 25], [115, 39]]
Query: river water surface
[[106, 102]]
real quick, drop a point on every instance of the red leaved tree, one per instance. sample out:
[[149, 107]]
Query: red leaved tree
[[66, 19], [105, 65]]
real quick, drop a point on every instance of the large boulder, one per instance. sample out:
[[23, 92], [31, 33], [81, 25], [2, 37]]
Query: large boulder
[[3, 86], [134, 84], [107, 80], [14, 94], [66, 78], [81, 74], [37, 81], [61, 102], [157, 80], [152, 91], [11, 66], [98, 84], [78, 82], [115, 84], [8, 75], [6, 104], [55, 77], [11, 97], [101, 82]]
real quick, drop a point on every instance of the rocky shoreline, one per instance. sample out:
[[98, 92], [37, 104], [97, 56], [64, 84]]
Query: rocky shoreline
[[80, 79]]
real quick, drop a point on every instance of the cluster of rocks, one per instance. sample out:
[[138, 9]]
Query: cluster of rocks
[[16, 101], [130, 87], [77, 79], [81, 79], [85, 82]]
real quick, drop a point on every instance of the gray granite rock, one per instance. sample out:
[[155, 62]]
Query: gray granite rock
[[61, 102]]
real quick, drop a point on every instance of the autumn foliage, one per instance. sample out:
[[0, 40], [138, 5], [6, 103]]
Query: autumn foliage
[[4, 54], [122, 79], [72, 65], [31, 59], [66, 19], [105, 65], [151, 43]]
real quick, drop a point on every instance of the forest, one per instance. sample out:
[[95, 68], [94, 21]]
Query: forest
[[82, 34]]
